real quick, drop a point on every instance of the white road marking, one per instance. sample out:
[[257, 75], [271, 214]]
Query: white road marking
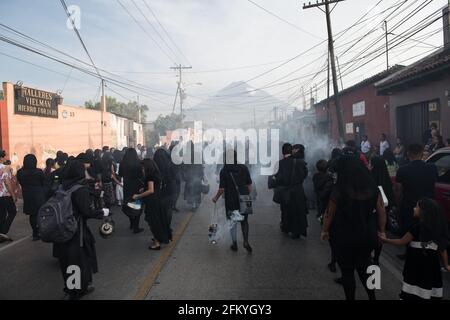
[[14, 243]]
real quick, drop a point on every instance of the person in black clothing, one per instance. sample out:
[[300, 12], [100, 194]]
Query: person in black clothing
[[167, 170], [50, 182], [108, 177], [193, 176], [155, 213], [380, 175], [234, 176], [323, 185], [177, 172], [353, 201], [131, 171], [80, 250], [31, 180], [289, 181], [417, 179]]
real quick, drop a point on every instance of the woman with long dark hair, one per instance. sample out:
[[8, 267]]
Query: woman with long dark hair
[[169, 187], [31, 180], [351, 210], [155, 213], [131, 171]]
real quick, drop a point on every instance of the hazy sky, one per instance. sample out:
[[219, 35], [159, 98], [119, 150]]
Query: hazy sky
[[213, 35]]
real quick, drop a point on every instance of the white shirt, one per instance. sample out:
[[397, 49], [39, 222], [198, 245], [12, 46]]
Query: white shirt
[[365, 146], [383, 146]]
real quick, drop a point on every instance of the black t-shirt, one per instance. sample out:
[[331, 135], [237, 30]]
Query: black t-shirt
[[242, 178], [417, 179]]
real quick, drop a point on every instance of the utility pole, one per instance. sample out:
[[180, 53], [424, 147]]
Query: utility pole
[[180, 69], [340, 74], [327, 3], [139, 110], [102, 113], [330, 128], [387, 44]]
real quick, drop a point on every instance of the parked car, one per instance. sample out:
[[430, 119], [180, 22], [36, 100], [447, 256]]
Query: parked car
[[441, 160]]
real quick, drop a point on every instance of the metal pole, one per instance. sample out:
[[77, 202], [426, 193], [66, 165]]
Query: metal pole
[[103, 110]]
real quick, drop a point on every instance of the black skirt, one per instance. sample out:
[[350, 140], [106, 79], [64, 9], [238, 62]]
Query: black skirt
[[422, 278]]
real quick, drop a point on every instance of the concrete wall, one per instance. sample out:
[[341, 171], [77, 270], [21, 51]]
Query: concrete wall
[[75, 130], [433, 90]]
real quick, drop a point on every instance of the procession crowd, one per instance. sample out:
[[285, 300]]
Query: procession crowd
[[355, 199]]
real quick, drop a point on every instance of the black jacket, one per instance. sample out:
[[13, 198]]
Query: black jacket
[[32, 184]]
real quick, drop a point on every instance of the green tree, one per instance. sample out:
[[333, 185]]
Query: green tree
[[128, 110], [169, 122]]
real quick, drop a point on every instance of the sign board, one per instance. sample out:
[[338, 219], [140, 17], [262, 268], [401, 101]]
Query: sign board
[[349, 128], [359, 108], [33, 102]]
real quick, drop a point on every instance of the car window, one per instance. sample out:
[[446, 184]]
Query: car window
[[442, 162]]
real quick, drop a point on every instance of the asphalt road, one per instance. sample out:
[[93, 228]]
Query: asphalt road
[[191, 267]]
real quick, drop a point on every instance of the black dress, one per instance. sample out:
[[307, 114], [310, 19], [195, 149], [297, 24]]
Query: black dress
[[155, 212], [354, 230], [77, 251], [32, 184], [422, 278], [291, 174], [132, 180]]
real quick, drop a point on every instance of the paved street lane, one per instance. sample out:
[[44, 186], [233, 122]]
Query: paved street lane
[[191, 267], [278, 268]]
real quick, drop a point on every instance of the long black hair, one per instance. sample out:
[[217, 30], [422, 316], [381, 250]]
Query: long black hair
[[130, 159], [30, 162], [433, 225], [354, 181], [164, 162], [151, 169]]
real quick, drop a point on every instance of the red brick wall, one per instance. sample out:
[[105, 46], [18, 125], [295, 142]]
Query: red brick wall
[[376, 118]]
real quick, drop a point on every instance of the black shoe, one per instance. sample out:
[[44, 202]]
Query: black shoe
[[138, 230], [332, 267], [234, 247], [338, 281], [248, 248]]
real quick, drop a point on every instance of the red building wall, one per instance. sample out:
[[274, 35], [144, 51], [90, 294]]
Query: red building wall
[[376, 119]]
